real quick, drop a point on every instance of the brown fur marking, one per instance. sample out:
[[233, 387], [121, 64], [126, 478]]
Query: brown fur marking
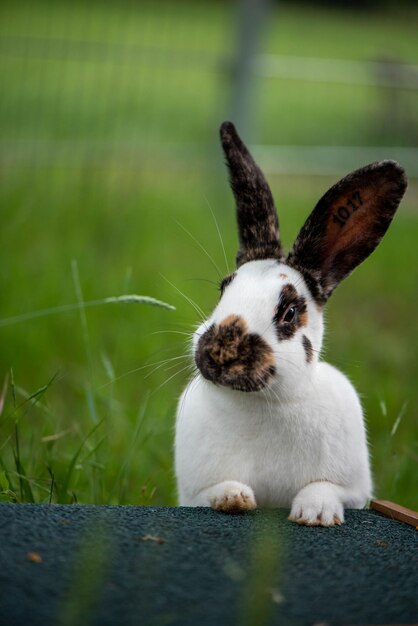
[[236, 503], [303, 317], [228, 355], [234, 320]]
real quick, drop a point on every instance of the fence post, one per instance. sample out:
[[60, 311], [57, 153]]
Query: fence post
[[250, 19]]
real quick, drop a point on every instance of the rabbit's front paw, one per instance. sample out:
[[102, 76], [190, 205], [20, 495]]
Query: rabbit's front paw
[[232, 497], [317, 504]]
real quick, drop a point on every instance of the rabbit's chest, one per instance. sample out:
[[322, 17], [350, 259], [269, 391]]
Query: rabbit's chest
[[277, 457]]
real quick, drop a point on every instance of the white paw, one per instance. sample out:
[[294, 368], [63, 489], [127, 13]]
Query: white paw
[[232, 497], [317, 505]]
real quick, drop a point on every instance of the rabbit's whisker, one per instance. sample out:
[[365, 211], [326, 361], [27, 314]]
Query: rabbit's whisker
[[200, 246], [191, 387], [183, 369], [173, 332], [205, 280], [166, 362], [269, 403], [189, 300], [219, 234], [275, 395], [135, 370]]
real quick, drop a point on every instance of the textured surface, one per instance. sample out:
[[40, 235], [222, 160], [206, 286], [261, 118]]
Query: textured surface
[[158, 565]]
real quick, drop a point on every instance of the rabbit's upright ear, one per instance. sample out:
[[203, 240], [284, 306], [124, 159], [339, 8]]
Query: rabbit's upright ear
[[258, 224], [347, 224]]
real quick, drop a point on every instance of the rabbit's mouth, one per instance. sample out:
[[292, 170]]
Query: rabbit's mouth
[[226, 354]]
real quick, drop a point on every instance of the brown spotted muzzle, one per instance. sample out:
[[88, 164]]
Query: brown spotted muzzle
[[228, 355]]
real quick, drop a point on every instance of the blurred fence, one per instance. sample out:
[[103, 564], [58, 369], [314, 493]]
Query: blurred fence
[[83, 83]]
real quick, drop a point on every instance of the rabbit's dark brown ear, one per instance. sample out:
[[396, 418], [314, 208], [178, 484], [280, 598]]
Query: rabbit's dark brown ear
[[346, 225], [258, 225]]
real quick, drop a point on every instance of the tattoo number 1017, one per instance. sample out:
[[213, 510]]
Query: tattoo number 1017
[[344, 212]]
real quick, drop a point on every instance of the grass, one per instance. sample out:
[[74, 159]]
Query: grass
[[108, 144]]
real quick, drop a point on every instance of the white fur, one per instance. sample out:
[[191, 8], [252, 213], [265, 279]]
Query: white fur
[[300, 443]]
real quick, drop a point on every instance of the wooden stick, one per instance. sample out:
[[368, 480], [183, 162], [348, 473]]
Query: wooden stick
[[396, 511]]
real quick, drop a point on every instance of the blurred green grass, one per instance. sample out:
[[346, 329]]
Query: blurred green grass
[[108, 132]]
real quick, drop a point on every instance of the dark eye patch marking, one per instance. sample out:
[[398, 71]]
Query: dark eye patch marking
[[226, 281], [289, 297], [308, 348]]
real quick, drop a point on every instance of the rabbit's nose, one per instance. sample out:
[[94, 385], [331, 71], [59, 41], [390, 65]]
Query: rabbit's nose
[[222, 353], [226, 341], [220, 346], [227, 354]]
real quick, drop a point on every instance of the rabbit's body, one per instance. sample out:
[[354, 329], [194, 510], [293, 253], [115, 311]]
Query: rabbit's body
[[275, 449], [305, 427], [265, 422]]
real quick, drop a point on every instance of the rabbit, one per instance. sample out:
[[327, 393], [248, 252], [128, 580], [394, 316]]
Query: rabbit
[[265, 422]]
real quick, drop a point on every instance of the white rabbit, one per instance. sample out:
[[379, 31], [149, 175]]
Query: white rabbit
[[265, 422]]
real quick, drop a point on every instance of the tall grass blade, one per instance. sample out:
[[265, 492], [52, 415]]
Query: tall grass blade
[[4, 393], [133, 448], [91, 403], [26, 494], [398, 419], [74, 459], [31, 397], [51, 491], [124, 299], [10, 487], [12, 387], [108, 366]]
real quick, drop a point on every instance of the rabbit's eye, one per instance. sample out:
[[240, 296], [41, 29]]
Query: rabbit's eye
[[290, 314]]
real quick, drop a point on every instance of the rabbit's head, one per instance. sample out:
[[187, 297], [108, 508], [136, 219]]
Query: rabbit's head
[[267, 327]]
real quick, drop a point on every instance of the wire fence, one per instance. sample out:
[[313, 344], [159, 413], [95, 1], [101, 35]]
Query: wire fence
[[84, 84]]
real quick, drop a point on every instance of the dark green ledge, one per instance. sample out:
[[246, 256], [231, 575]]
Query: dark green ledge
[[76, 565]]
